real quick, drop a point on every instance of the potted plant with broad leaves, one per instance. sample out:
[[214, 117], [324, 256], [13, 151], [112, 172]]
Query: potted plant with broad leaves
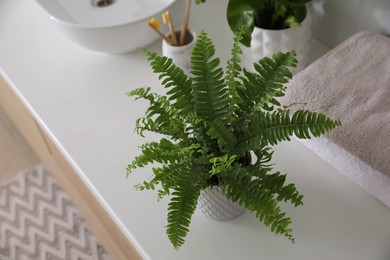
[[219, 129], [272, 26]]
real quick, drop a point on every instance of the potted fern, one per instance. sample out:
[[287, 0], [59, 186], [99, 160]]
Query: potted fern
[[219, 129]]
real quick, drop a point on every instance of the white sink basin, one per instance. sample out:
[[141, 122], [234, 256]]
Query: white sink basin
[[110, 26]]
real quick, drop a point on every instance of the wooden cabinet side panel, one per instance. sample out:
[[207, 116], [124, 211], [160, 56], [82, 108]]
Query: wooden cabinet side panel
[[22, 119], [97, 218]]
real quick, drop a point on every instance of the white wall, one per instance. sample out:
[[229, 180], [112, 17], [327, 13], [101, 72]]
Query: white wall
[[336, 20]]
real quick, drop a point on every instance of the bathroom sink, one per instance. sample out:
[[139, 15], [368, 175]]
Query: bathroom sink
[[110, 26]]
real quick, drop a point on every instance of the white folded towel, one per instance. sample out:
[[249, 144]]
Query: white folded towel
[[352, 83]]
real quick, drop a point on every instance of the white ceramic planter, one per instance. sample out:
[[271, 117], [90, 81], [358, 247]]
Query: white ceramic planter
[[214, 204], [267, 42], [180, 54]]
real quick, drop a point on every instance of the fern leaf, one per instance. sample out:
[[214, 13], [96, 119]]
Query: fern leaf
[[167, 176], [174, 79], [278, 126], [210, 95], [183, 203], [233, 68], [224, 135], [264, 156], [260, 88], [201, 136], [239, 185], [159, 117], [275, 182], [141, 93], [162, 152]]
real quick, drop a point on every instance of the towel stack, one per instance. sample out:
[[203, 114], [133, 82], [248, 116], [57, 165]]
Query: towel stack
[[352, 83]]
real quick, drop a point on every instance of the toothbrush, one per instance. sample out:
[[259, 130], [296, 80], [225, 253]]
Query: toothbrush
[[184, 26], [167, 20], [155, 26]]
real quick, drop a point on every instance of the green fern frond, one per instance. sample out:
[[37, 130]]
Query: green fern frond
[[141, 93], [264, 156], [147, 185], [221, 164], [278, 126], [162, 152], [174, 79], [260, 88], [305, 121], [239, 185], [201, 136], [224, 135], [183, 203], [275, 182], [161, 125], [210, 95], [233, 68], [159, 117], [167, 176], [290, 193]]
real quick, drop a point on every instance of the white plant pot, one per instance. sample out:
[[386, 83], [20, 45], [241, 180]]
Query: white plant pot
[[267, 42], [215, 205], [180, 54]]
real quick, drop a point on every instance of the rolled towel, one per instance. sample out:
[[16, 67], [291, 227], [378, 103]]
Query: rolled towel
[[352, 83]]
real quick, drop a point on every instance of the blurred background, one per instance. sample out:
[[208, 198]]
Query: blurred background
[[336, 20]]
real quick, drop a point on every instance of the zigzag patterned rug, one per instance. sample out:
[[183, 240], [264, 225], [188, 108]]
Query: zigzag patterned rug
[[38, 221]]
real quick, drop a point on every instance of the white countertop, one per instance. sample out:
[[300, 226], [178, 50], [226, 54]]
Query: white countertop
[[79, 97]]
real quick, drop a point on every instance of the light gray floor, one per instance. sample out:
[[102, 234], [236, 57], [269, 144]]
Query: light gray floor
[[15, 153]]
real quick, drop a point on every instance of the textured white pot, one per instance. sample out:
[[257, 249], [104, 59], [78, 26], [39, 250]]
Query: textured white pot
[[214, 204], [267, 42]]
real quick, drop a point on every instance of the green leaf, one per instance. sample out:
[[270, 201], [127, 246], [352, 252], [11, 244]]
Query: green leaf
[[279, 14], [164, 152], [239, 185], [259, 89], [174, 79], [159, 117], [233, 68], [183, 203], [224, 135], [210, 95], [241, 15], [278, 126], [291, 22], [264, 14]]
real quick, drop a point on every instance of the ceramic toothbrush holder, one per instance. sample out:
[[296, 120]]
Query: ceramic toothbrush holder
[[181, 55]]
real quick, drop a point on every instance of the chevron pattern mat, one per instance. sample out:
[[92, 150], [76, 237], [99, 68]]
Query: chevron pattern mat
[[38, 221]]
